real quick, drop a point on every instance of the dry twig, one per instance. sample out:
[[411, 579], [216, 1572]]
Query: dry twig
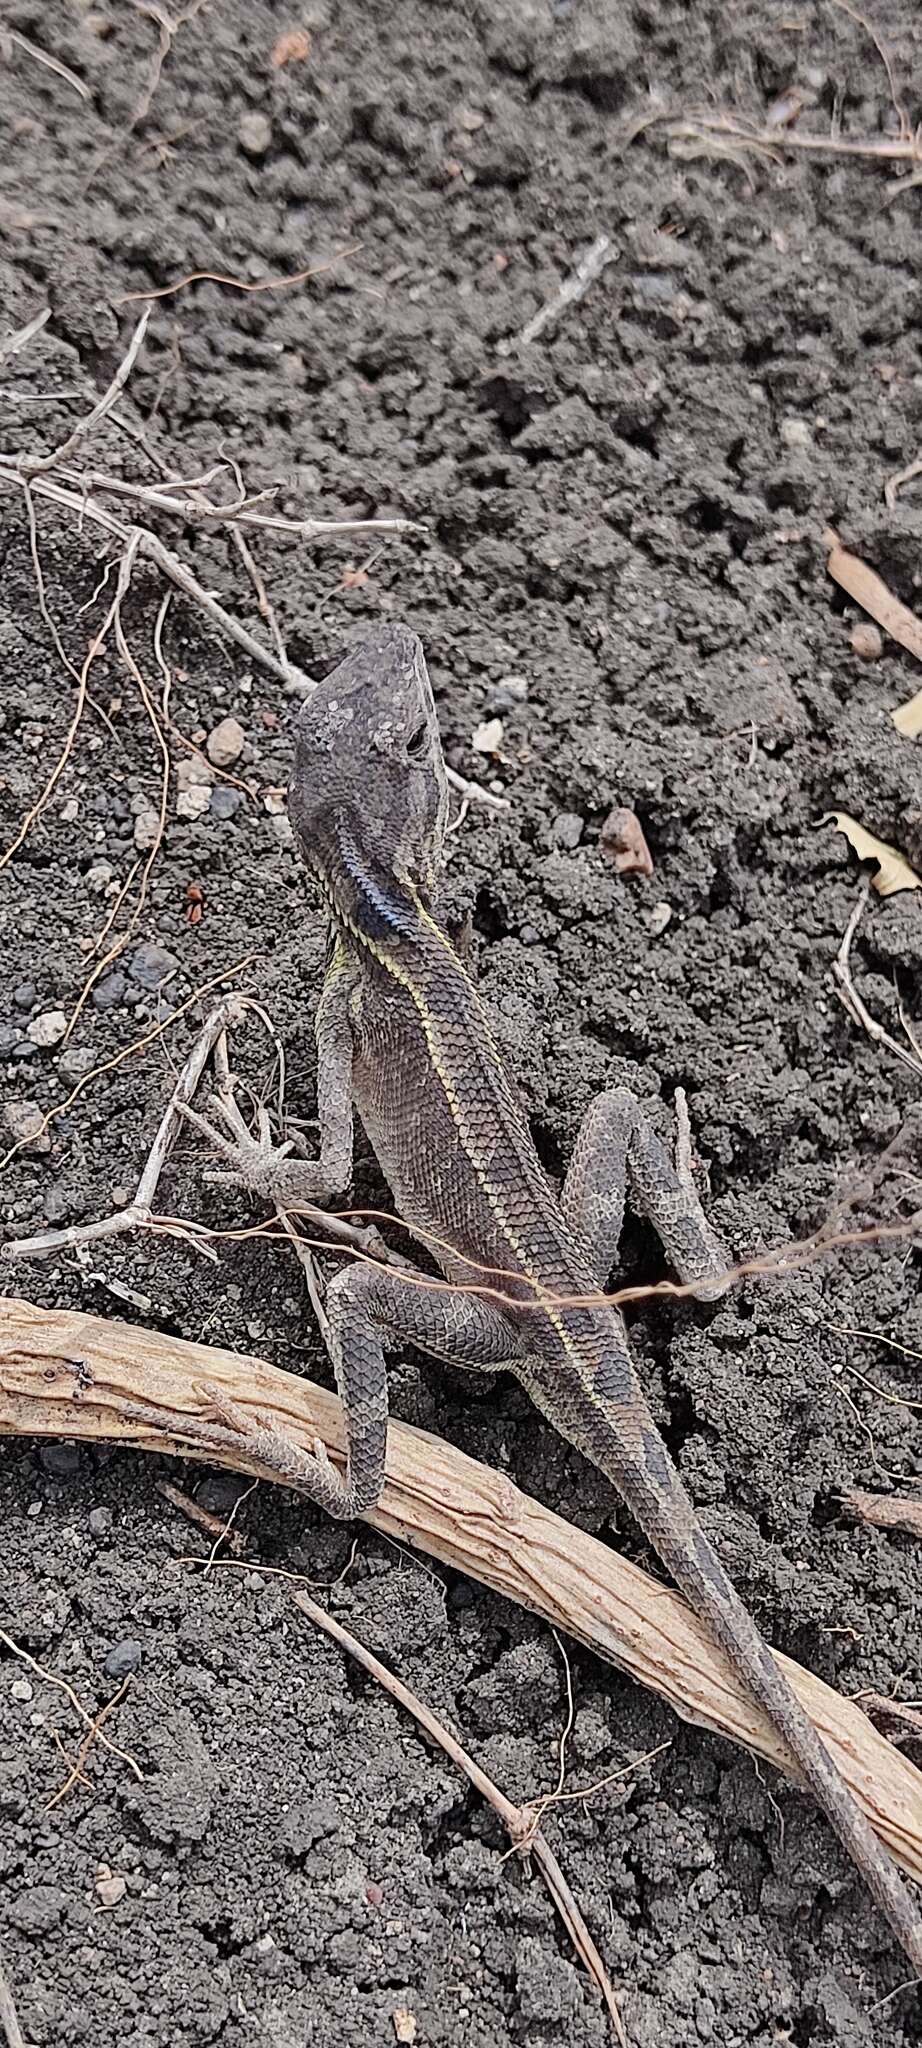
[[150, 1389], [522, 1829], [30, 49], [855, 1004], [51, 1678], [884, 1511], [9, 2018], [874, 596]]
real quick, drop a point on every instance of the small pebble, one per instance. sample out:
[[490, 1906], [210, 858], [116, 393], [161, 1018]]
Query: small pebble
[[109, 992], [865, 641], [48, 1029], [21, 1690], [24, 995], [75, 1061], [225, 743], [151, 965], [124, 1658], [659, 917], [796, 433], [110, 1885], [254, 134], [146, 828], [60, 1461], [99, 1521], [24, 1122], [193, 802], [225, 802], [488, 737], [567, 829]]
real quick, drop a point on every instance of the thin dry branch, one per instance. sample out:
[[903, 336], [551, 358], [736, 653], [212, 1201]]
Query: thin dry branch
[[523, 1831], [150, 1389], [885, 1511], [9, 2018], [30, 466], [855, 1004]]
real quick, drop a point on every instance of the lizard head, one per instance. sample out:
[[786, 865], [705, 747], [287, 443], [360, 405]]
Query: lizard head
[[368, 795]]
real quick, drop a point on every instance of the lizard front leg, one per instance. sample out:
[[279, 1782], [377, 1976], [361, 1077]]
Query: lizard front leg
[[370, 1310], [617, 1149], [269, 1171]]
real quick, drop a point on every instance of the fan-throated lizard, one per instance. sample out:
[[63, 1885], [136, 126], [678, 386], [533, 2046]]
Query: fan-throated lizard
[[404, 1038]]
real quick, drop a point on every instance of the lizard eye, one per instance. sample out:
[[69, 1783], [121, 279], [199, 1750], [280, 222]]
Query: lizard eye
[[416, 744]]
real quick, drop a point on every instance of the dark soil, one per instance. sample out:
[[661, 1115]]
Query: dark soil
[[627, 514]]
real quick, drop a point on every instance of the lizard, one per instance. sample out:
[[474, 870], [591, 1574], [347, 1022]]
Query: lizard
[[404, 1038]]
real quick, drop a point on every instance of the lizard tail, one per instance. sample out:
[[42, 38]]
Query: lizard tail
[[668, 1520]]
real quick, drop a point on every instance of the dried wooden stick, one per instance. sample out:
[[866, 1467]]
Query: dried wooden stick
[[885, 1510], [872, 593], [9, 2018], [65, 1374], [523, 1831]]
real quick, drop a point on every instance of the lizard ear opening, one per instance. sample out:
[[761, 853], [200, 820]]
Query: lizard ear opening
[[416, 744]]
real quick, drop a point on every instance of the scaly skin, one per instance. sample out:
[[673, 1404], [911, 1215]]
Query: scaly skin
[[403, 1035]]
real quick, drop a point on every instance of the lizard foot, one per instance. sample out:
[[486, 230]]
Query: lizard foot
[[255, 1163], [312, 1472]]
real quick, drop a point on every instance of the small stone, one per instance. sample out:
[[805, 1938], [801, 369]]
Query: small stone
[[796, 433], [57, 1204], [110, 1885], [567, 829], [193, 802], [99, 1521], [516, 687], [48, 1029], [76, 1061], [225, 802], [865, 641], [254, 134], [151, 966], [26, 1126], [274, 802], [99, 876], [280, 827], [469, 120], [488, 737], [9, 1039], [60, 1461], [124, 1658], [21, 1690], [659, 917], [404, 2023], [109, 992], [24, 995], [146, 829], [225, 743]]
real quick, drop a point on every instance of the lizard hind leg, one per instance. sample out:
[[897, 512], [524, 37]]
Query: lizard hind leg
[[370, 1310], [617, 1150]]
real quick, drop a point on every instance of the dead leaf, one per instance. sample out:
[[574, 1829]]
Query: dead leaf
[[621, 838], [293, 45], [893, 873], [871, 592], [404, 2023]]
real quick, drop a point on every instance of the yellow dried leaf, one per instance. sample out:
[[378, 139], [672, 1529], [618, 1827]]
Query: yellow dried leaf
[[893, 872]]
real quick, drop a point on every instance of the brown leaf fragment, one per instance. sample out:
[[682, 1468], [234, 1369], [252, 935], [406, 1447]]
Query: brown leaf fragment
[[622, 840], [885, 1511], [871, 592]]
